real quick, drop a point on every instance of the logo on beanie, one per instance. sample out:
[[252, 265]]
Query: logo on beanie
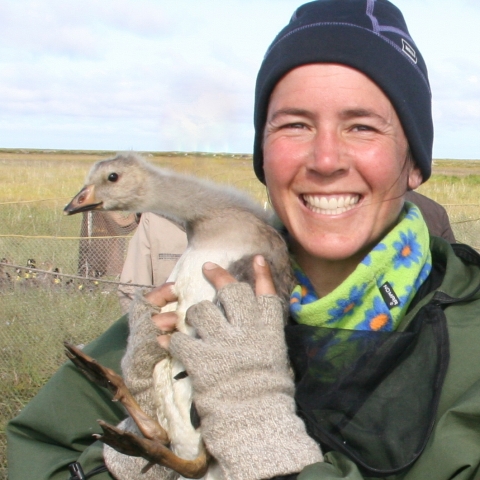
[[409, 50]]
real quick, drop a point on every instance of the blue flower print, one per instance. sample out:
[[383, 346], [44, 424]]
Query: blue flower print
[[377, 318], [380, 280], [413, 213], [295, 303], [303, 293], [423, 275], [300, 296], [367, 261], [346, 306], [307, 294], [406, 298], [295, 310], [408, 250]]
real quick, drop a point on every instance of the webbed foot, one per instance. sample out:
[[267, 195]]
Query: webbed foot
[[151, 450], [151, 447]]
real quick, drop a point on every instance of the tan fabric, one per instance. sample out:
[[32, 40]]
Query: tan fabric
[[152, 253], [434, 214]]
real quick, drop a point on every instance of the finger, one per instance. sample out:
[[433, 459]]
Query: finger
[[186, 349], [165, 322], [263, 277], [240, 305], [164, 341], [207, 320], [162, 295], [217, 275], [273, 313]]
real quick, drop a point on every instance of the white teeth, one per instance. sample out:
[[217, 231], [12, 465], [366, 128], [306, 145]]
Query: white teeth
[[321, 203], [331, 205]]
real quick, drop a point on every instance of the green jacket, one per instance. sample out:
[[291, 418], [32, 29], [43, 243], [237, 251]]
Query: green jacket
[[56, 427]]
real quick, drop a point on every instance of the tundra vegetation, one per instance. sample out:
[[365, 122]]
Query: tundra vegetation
[[35, 319]]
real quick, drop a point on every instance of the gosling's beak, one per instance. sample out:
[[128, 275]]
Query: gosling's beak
[[83, 201]]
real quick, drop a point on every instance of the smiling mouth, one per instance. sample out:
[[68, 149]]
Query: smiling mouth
[[330, 205]]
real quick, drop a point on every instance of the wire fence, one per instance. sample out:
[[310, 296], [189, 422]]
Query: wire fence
[[63, 287], [465, 221], [53, 288]]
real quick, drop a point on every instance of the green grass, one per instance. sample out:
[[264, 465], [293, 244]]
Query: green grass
[[39, 176]]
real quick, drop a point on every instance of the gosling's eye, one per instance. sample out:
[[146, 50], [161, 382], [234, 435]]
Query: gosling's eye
[[113, 177]]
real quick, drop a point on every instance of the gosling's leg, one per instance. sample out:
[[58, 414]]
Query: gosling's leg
[[153, 447], [107, 378], [154, 452]]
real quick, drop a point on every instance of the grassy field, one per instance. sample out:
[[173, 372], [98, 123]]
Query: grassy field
[[456, 185], [34, 187]]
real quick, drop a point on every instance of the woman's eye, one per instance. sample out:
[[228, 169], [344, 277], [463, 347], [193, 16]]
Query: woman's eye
[[363, 128], [294, 125]]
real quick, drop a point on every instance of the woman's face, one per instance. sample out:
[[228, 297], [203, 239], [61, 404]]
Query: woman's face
[[335, 161]]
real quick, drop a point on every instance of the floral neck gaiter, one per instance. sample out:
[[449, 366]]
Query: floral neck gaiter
[[377, 294]]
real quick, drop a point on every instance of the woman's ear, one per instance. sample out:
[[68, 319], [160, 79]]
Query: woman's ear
[[414, 177]]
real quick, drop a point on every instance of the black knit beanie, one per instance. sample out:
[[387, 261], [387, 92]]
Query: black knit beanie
[[368, 35]]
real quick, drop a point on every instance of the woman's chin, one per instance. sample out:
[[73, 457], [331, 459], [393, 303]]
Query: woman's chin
[[334, 248]]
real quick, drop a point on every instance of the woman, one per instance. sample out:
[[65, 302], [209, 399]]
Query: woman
[[384, 320]]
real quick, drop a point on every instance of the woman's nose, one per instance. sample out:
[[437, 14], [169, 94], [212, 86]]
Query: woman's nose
[[327, 156]]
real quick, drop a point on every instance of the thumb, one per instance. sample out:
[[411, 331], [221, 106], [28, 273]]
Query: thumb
[[263, 277]]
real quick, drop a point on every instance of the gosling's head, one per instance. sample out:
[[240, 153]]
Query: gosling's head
[[117, 183]]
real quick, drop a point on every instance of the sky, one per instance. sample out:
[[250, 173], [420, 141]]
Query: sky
[[159, 75]]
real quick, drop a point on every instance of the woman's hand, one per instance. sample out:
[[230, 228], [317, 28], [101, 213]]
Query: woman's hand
[[218, 277], [167, 321], [239, 368]]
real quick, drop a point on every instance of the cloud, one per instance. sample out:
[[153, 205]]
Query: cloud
[[77, 28], [37, 29], [181, 74], [185, 70], [456, 93], [190, 91]]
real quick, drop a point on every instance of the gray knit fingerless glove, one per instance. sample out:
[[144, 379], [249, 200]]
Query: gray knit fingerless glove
[[243, 391], [142, 354]]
